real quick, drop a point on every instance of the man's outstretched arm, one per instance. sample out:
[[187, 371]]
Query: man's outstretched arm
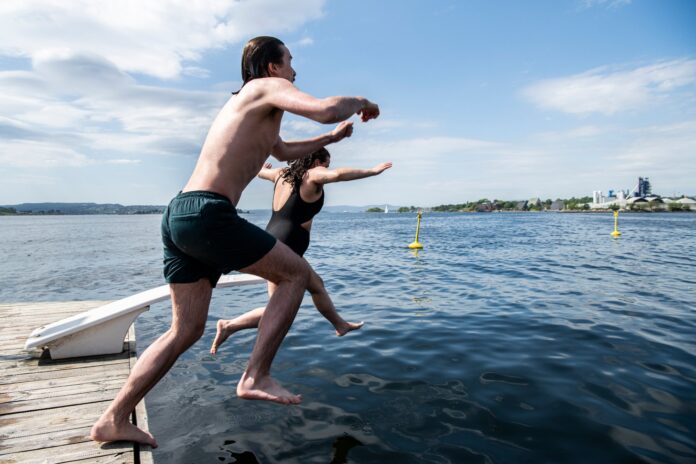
[[287, 151], [282, 94]]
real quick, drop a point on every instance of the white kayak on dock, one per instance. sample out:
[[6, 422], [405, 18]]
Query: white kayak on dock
[[102, 330]]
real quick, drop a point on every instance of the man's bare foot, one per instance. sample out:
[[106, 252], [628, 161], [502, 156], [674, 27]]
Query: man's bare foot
[[224, 330], [106, 430], [265, 388], [348, 327]]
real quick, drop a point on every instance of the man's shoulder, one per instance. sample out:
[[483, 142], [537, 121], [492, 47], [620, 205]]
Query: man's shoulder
[[263, 89], [267, 83]]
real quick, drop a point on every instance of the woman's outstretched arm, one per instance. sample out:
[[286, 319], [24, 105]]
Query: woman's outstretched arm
[[320, 175], [267, 172]]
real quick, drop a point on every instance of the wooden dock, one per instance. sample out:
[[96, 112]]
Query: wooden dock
[[48, 407]]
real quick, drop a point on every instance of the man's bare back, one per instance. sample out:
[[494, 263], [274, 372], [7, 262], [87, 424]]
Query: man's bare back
[[238, 143]]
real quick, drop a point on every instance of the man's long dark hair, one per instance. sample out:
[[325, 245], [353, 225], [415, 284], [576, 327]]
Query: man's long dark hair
[[297, 168], [258, 53]]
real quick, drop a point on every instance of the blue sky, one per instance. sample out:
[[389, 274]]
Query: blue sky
[[110, 101]]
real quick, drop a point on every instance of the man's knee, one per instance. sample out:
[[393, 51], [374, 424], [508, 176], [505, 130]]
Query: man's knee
[[303, 275], [296, 271], [188, 334]]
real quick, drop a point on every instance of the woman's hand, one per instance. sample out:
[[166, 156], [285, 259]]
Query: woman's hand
[[380, 168]]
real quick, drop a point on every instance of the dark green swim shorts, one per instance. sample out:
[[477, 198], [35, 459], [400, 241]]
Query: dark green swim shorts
[[204, 238]]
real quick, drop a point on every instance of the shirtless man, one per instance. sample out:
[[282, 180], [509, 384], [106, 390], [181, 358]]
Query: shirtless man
[[204, 237]]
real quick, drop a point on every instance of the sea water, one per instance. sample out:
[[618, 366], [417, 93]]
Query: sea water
[[509, 338]]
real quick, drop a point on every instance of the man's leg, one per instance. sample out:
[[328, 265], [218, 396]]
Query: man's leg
[[189, 311], [291, 275]]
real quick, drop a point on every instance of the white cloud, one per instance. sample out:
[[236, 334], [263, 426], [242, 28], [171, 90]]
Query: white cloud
[[195, 71], [608, 91], [668, 148], [123, 161], [604, 3], [227, 86], [44, 155], [434, 170], [303, 42], [582, 132], [82, 104], [294, 127], [156, 37]]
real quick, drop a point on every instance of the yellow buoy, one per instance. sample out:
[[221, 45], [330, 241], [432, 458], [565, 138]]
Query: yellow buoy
[[416, 244], [616, 232]]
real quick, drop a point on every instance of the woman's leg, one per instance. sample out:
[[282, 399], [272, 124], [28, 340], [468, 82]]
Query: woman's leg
[[322, 301], [248, 320]]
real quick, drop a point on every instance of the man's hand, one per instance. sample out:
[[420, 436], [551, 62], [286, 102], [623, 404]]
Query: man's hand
[[380, 168], [369, 111], [343, 130]]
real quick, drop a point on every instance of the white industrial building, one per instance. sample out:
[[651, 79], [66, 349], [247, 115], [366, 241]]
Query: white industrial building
[[641, 194], [599, 201]]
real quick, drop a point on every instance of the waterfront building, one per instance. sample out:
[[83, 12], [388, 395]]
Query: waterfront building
[[687, 201], [641, 193], [557, 205]]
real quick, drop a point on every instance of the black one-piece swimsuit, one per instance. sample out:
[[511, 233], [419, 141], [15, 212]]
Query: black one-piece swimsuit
[[286, 223]]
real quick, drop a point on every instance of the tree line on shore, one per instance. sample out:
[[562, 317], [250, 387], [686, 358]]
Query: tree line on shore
[[570, 204]]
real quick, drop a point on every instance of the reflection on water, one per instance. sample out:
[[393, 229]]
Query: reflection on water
[[547, 341]]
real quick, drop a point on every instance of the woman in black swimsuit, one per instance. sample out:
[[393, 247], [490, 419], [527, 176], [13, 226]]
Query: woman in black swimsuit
[[297, 197]]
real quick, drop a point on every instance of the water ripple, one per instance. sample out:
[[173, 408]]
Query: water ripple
[[544, 342]]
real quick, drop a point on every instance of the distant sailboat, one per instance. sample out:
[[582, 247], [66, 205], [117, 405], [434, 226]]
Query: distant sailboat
[[386, 209]]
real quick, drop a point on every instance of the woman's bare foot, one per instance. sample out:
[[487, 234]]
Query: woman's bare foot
[[266, 389], [224, 330], [348, 327], [106, 430]]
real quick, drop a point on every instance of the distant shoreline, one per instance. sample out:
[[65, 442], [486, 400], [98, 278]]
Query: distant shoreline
[[53, 214], [115, 209]]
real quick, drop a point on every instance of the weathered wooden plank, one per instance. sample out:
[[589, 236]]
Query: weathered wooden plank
[[29, 382], [27, 424], [90, 451], [12, 339], [49, 305], [22, 363], [47, 407], [60, 401], [50, 392], [112, 459], [44, 361], [139, 416], [46, 440], [47, 311], [140, 419]]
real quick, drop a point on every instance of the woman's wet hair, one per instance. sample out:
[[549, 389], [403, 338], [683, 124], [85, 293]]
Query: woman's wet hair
[[258, 53], [297, 168]]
